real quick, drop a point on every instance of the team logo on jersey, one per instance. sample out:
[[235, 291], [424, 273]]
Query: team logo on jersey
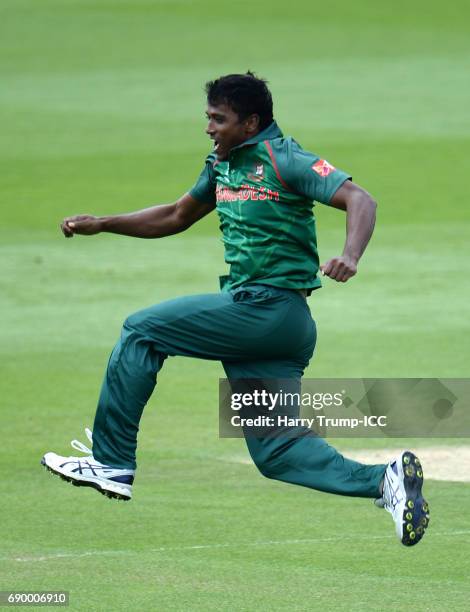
[[323, 168], [258, 173]]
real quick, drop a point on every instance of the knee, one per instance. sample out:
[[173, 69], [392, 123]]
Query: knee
[[265, 465], [137, 325], [131, 333], [133, 344], [148, 323], [132, 323], [136, 348], [265, 471]]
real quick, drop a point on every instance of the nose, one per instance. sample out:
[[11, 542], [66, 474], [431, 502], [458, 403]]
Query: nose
[[210, 128]]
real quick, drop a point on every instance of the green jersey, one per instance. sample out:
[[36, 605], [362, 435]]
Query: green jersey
[[264, 195]]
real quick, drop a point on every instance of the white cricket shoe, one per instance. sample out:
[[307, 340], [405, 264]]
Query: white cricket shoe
[[88, 472], [403, 481]]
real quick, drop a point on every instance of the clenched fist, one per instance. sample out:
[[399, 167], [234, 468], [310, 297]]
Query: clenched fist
[[80, 224], [340, 269]]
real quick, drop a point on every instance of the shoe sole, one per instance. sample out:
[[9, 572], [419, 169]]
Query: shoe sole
[[85, 483], [416, 512]]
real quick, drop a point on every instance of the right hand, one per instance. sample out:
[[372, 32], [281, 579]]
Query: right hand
[[80, 224]]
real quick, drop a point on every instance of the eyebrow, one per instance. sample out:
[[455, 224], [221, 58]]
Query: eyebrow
[[208, 115]]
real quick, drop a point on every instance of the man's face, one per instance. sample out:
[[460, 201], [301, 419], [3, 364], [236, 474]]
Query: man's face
[[226, 130]]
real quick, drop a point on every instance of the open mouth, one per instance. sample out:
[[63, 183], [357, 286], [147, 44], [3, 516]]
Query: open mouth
[[219, 149]]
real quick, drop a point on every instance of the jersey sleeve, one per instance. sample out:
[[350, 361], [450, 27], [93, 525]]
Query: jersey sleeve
[[306, 173], [204, 188]]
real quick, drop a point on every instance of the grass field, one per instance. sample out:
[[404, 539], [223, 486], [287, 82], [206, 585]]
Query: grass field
[[103, 111]]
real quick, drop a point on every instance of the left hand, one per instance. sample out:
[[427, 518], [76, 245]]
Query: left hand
[[340, 269]]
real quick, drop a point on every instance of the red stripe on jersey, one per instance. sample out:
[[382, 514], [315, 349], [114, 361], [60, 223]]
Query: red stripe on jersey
[[276, 169]]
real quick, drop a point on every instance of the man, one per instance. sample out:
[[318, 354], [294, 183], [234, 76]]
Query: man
[[262, 186]]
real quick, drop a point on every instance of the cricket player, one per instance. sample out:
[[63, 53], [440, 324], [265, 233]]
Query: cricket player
[[262, 185]]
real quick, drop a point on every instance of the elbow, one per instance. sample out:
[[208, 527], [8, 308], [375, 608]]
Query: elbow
[[368, 203], [182, 221], [372, 210], [362, 201], [183, 216]]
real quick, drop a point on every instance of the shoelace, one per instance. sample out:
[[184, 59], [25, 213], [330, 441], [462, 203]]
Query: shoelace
[[390, 492], [77, 445], [387, 495]]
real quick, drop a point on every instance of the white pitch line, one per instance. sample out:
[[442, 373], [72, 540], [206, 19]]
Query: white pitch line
[[162, 549]]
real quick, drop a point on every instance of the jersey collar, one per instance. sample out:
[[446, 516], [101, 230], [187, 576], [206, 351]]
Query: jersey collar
[[272, 131]]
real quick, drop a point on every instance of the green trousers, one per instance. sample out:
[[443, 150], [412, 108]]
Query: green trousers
[[257, 332]]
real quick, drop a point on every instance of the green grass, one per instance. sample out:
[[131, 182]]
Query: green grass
[[103, 111]]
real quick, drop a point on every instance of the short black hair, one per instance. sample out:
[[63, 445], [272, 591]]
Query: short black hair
[[245, 94]]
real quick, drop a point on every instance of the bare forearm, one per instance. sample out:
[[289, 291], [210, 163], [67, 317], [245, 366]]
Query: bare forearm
[[153, 222], [360, 222]]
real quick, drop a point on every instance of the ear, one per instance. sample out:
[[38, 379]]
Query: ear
[[252, 124]]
